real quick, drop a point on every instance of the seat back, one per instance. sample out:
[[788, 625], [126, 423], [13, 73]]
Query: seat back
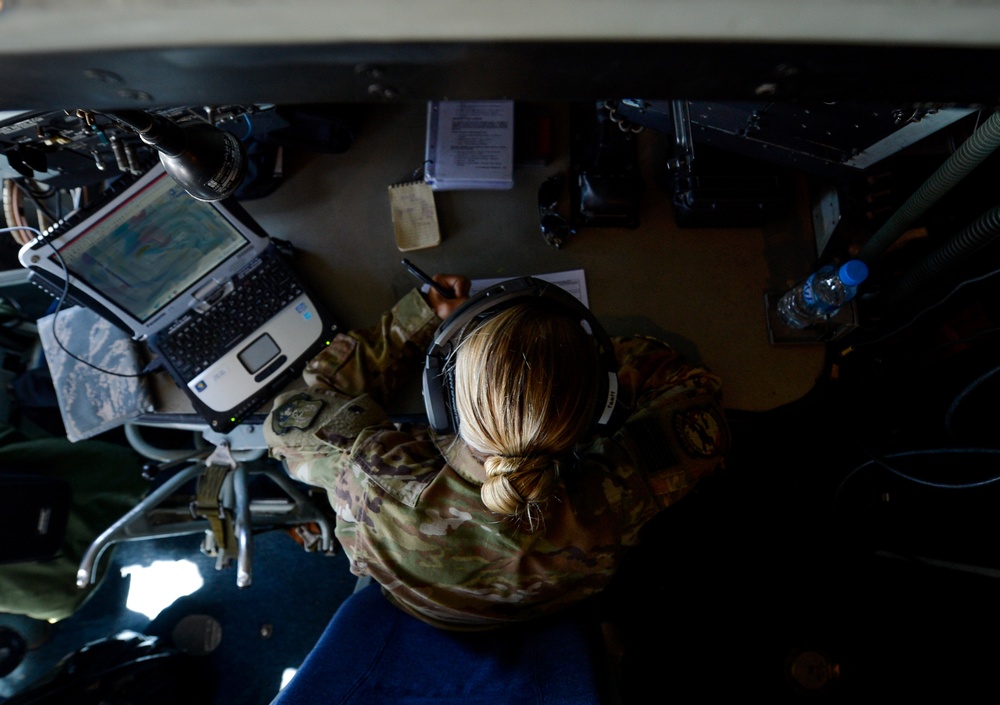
[[372, 653]]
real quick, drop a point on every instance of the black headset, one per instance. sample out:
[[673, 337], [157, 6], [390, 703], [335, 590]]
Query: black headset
[[439, 378]]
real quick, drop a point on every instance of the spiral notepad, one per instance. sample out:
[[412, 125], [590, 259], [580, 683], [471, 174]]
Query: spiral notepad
[[414, 216], [470, 144]]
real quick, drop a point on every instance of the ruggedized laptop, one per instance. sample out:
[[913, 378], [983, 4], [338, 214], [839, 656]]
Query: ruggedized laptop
[[200, 282]]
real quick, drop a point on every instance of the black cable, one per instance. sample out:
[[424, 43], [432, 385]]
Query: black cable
[[967, 339], [851, 348], [961, 396], [880, 461], [62, 297], [34, 199]]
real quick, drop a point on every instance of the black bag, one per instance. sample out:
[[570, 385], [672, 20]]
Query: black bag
[[321, 129], [607, 186], [126, 669], [33, 515]]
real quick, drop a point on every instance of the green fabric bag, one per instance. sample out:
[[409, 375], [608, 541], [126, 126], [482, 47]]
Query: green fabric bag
[[105, 480]]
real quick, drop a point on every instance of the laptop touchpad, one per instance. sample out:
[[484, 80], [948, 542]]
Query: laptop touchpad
[[258, 353]]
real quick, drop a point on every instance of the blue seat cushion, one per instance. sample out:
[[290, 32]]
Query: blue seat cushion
[[372, 653]]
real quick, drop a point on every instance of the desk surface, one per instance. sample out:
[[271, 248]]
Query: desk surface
[[699, 289]]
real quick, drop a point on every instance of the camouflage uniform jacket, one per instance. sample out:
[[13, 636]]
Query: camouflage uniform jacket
[[408, 508]]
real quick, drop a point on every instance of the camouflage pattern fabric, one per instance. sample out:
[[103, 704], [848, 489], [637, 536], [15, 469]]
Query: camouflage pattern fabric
[[91, 401], [408, 507]]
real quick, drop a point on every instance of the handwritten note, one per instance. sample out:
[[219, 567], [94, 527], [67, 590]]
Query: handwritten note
[[414, 216]]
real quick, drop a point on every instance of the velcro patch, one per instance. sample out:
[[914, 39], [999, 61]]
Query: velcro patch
[[701, 431], [299, 412]]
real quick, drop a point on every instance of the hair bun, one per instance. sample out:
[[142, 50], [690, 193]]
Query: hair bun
[[518, 483], [497, 465]]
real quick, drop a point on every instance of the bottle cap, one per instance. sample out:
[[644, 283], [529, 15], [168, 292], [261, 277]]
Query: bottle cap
[[853, 272]]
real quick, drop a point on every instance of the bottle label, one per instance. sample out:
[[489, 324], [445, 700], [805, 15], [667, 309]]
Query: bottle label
[[807, 292], [809, 297]]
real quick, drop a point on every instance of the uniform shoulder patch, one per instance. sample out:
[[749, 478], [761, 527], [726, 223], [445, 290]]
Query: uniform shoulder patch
[[701, 431], [298, 412]]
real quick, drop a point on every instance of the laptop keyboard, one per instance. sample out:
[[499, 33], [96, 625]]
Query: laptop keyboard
[[257, 296]]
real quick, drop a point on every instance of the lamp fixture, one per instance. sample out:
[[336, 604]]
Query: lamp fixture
[[208, 163]]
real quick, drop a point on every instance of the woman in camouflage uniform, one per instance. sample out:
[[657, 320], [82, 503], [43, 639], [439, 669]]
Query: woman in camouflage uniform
[[524, 511]]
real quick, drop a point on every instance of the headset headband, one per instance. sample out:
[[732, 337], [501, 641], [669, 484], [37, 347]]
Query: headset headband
[[438, 377]]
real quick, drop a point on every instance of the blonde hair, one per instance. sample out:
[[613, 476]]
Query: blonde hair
[[525, 389]]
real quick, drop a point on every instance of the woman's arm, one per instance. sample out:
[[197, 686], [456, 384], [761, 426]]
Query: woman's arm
[[677, 431], [379, 359], [313, 431], [652, 372]]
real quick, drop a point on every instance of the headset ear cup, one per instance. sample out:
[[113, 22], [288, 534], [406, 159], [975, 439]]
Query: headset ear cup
[[449, 375], [610, 412], [435, 392], [619, 412]]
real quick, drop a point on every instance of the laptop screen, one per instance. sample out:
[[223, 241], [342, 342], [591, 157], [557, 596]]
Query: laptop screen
[[149, 248]]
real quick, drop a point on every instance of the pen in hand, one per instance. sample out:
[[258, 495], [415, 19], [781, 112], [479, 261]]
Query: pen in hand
[[422, 276]]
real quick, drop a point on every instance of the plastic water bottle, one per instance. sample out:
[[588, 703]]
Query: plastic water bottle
[[822, 295]]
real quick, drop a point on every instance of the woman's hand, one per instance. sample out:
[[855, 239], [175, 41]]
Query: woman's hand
[[457, 284]]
